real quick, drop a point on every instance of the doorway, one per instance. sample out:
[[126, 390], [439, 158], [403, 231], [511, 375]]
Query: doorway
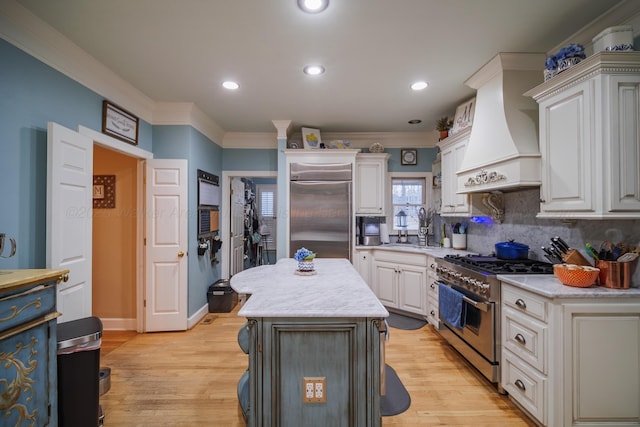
[[114, 242], [238, 219]]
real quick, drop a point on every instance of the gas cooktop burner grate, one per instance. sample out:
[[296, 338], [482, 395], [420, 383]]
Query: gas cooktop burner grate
[[495, 265]]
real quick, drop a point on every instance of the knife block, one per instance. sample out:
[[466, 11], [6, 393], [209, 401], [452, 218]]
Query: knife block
[[572, 256]]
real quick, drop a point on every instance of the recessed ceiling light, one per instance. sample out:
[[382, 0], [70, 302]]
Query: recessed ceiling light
[[419, 85], [230, 85], [313, 6], [314, 70], [415, 122]]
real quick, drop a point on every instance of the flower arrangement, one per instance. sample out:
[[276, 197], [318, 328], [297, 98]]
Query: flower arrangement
[[304, 254], [305, 261], [565, 58]]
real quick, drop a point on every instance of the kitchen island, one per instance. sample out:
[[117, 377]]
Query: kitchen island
[[322, 329], [570, 355]]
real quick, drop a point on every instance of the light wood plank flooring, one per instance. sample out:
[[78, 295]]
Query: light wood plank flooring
[[189, 379]]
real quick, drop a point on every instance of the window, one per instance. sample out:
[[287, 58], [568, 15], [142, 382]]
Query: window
[[408, 195], [266, 200]]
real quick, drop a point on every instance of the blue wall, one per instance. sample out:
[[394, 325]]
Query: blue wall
[[250, 160]]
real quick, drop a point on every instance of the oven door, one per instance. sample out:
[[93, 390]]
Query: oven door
[[479, 324]]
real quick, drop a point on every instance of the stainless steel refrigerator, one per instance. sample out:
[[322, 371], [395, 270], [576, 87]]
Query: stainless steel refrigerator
[[320, 209]]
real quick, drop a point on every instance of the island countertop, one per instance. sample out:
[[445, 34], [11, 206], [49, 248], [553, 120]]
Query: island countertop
[[336, 290]]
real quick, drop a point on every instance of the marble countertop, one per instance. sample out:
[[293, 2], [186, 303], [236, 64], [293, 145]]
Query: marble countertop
[[549, 286], [336, 290], [10, 279], [435, 251]]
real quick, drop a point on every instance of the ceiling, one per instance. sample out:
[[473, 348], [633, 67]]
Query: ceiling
[[181, 51]]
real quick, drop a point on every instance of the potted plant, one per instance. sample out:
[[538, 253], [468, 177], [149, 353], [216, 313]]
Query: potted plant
[[443, 125]]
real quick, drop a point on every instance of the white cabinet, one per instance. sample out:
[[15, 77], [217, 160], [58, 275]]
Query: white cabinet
[[400, 280], [525, 354], [370, 177], [362, 261], [589, 118], [451, 155], [433, 316], [570, 361]]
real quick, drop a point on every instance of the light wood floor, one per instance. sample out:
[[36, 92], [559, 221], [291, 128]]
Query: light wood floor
[[189, 379]]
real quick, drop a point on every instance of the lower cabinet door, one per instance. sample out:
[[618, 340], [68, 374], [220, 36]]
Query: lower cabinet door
[[412, 287], [386, 283], [26, 365], [526, 386]]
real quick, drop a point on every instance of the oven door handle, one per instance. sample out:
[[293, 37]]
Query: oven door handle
[[482, 306]]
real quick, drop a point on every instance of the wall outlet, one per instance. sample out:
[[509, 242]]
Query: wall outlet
[[314, 389]]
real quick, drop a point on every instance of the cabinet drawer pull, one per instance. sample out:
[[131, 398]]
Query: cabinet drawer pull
[[520, 303], [520, 385], [520, 339]]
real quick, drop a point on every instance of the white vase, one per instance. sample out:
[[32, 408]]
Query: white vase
[[305, 266]]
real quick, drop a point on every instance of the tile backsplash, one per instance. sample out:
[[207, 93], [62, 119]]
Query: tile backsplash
[[521, 225]]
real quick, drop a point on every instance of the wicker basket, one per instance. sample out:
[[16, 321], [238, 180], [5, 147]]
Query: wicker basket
[[579, 276]]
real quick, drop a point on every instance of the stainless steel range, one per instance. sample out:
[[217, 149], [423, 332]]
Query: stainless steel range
[[477, 335]]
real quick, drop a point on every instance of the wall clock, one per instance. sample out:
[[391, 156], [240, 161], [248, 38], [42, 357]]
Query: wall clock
[[409, 157]]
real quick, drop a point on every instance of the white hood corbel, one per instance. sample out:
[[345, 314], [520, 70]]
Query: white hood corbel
[[503, 150]]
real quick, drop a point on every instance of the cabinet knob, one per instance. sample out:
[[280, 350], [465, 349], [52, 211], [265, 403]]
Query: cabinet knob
[[520, 385], [520, 303], [433, 313], [520, 339], [543, 201], [180, 254]]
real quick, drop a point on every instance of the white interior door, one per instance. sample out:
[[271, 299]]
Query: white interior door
[[166, 245], [69, 211], [237, 226]]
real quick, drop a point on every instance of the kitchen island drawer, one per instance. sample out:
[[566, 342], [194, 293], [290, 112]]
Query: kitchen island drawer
[[27, 305], [525, 302], [417, 260], [526, 337], [525, 385]]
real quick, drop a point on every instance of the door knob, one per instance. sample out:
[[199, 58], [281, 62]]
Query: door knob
[[180, 254]]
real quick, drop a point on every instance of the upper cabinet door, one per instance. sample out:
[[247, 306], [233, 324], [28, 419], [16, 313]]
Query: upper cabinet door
[[567, 152], [452, 151], [371, 175]]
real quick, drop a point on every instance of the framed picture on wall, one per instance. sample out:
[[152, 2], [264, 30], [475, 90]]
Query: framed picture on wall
[[119, 123], [408, 157]]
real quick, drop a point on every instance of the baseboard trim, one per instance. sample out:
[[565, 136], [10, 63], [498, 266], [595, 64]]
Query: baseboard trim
[[118, 324], [197, 316]]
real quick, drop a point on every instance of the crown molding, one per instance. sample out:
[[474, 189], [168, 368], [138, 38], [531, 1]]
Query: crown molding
[[187, 113]]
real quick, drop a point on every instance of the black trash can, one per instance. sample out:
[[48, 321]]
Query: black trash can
[[79, 372], [221, 297]]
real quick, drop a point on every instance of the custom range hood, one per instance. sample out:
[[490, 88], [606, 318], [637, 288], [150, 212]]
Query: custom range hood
[[503, 151]]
